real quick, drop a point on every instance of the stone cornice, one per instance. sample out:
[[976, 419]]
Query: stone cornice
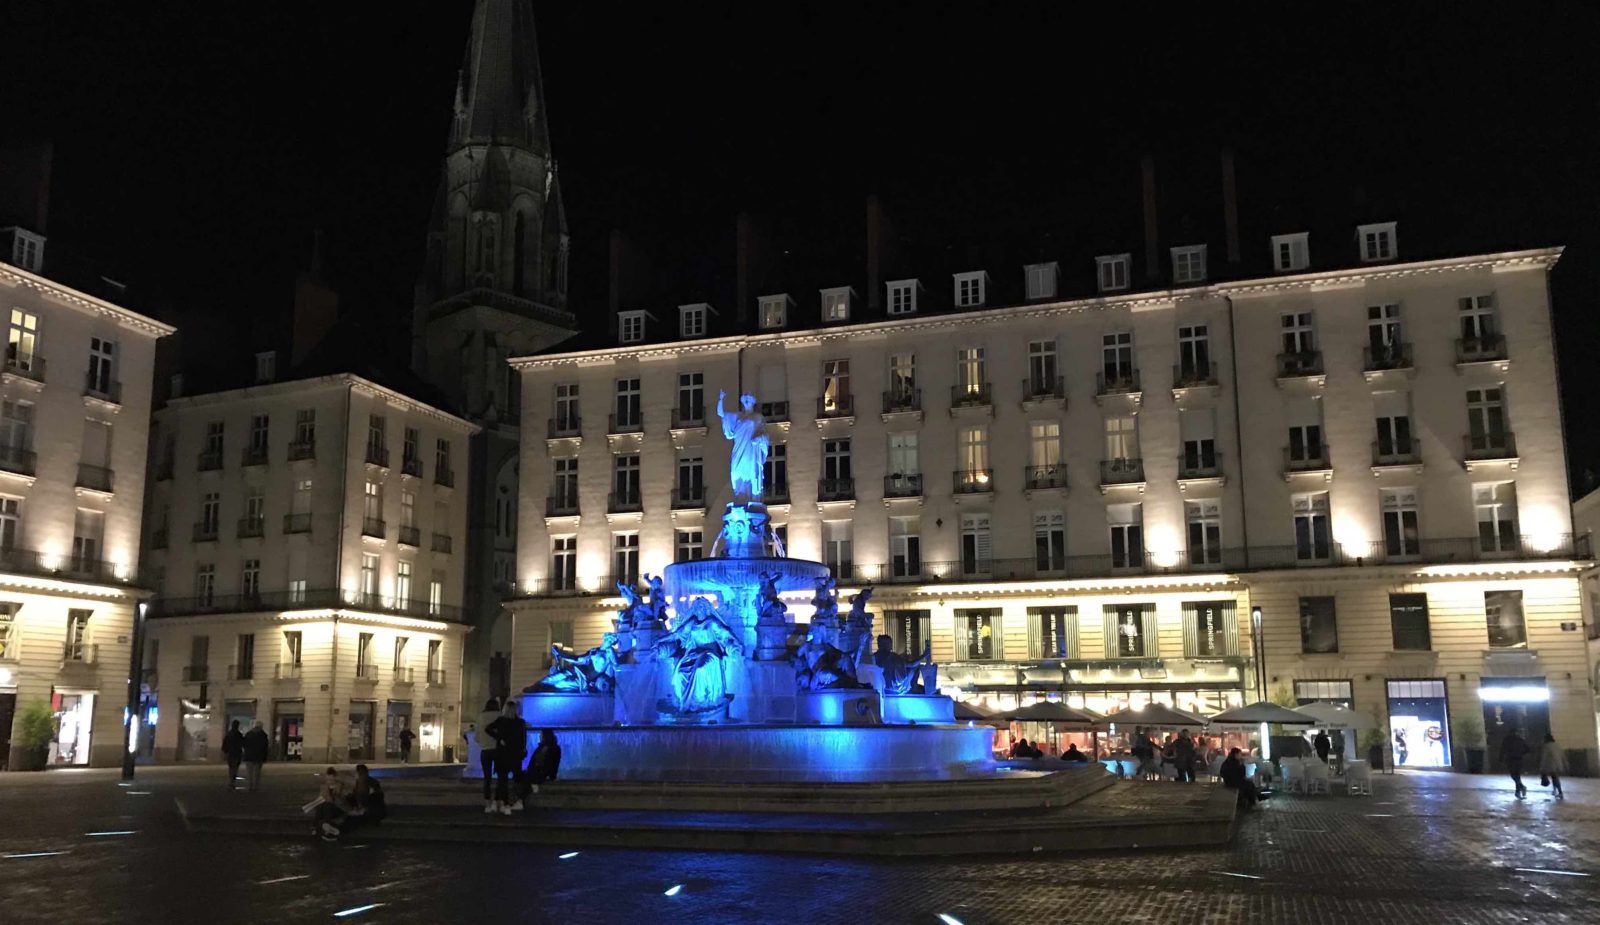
[[300, 386], [84, 302]]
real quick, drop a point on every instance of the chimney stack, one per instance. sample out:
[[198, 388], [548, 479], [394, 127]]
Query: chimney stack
[[1152, 238], [742, 244], [874, 255], [614, 281], [1230, 206]]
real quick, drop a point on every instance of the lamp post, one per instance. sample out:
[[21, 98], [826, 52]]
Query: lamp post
[[135, 675], [1258, 648]]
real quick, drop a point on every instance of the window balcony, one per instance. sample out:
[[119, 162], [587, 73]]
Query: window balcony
[[436, 677], [1385, 358], [625, 423], [102, 390], [688, 418], [27, 367], [568, 425], [1304, 364], [251, 526], [297, 523], [1116, 382], [94, 478], [688, 497], [80, 653], [970, 395], [1307, 459], [403, 675], [775, 412], [1036, 478], [972, 481], [903, 486], [287, 671], [1194, 376], [1037, 389], [254, 455], [441, 543], [902, 401], [367, 673], [18, 460], [374, 526], [411, 466], [838, 406], [241, 673], [1488, 348], [561, 504], [836, 490], [1395, 453], [205, 532], [196, 674], [775, 493], [378, 456], [210, 460], [624, 502], [1127, 471], [1199, 466], [410, 536], [445, 478], [1501, 445], [302, 449]]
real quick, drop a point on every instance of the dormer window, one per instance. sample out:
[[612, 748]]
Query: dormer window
[[836, 303], [1377, 242], [1041, 280], [630, 327], [1290, 252], [27, 250], [903, 296], [774, 311], [972, 288], [1112, 272], [692, 319], [1189, 264], [266, 366]]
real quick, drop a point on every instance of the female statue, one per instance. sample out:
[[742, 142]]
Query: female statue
[[696, 649]]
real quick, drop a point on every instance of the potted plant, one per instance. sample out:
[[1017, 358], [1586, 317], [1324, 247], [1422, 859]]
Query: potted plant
[[36, 727], [1469, 733], [1373, 741]]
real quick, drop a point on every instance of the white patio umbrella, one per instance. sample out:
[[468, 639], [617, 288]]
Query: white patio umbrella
[[1159, 716], [1337, 716], [1263, 711]]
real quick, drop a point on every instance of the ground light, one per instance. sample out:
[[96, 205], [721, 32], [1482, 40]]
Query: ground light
[[357, 910], [674, 890], [283, 879], [568, 856], [949, 919], [117, 834], [1558, 873], [32, 854]]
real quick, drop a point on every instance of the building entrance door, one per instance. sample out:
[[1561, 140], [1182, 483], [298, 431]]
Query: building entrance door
[[74, 715], [399, 719], [1522, 704], [362, 716], [288, 726], [431, 740], [194, 731]]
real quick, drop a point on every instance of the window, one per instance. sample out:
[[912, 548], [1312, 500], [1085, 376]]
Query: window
[[24, 340], [1290, 252], [1299, 333], [1204, 518], [259, 440], [250, 579], [625, 478], [1486, 420], [1049, 541], [691, 545], [305, 428], [369, 579], [691, 320], [902, 297], [266, 366], [970, 289], [364, 664], [905, 547], [977, 634], [625, 557], [1127, 534], [77, 648], [836, 551], [774, 312], [400, 651], [1041, 280], [973, 453], [691, 479], [1116, 354], [775, 471], [377, 441], [836, 460], [977, 556], [210, 513], [1122, 438], [8, 633], [836, 304], [10, 522], [630, 327], [1210, 629], [1496, 506], [1130, 631], [1053, 632], [1319, 627], [1042, 367], [1400, 534], [1383, 333], [372, 501], [205, 584], [435, 660], [1044, 450], [402, 585], [1478, 327], [27, 250], [1198, 427], [16, 435], [1112, 272], [301, 502], [1339, 692], [627, 407], [836, 387], [1194, 353], [566, 416], [1312, 540], [905, 465], [1377, 242], [563, 563], [215, 433], [971, 376], [88, 536], [1305, 444], [297, 591], [441, 462], [1408, 621], [902, 379], [691, 398], [909, 629], [1394, 425], [1189, 264], [410, 454], [408, 508], [102, 360], [436, 593], [1503, 615]]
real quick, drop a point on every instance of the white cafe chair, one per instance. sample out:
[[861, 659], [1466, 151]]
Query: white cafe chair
[[1358, 779], [1316, 776]]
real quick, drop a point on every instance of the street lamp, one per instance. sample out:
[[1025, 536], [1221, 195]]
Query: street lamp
[[1258, 648], [135, 674]]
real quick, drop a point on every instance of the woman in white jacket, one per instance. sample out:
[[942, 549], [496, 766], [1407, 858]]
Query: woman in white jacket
[[1552, 764]]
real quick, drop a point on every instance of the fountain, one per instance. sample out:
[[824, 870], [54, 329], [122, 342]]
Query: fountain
[[707, 678]]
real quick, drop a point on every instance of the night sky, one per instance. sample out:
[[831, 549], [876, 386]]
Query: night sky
[[199, 144]]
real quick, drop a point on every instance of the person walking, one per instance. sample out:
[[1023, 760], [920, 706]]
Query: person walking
[[406, 738], [1183, 757], [1513, 749], [1322, 745], [511, 744], [233, 750], [486, 746], [1552, 764], [256, 747]]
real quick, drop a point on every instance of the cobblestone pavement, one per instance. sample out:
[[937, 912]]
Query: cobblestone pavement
[[1433, 848]]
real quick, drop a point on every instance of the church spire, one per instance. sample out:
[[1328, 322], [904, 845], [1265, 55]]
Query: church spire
[[499, 95]]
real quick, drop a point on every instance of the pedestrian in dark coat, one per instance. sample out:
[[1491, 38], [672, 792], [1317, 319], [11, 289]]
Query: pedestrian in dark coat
[[233, 750], [256, 747], [511, 745], [1322, 745], [1513, 749]]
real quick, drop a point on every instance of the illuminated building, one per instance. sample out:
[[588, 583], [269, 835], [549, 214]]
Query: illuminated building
[[1084, 496]]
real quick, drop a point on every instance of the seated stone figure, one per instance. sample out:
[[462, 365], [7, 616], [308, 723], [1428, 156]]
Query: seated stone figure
[[819, 665], [900, 674], [593, 672]]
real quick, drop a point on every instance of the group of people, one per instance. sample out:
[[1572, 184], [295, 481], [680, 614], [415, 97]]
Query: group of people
[[341, 805], [1514, 750], [1181, 754], [246, 748], [509, 773], [1022, 748]]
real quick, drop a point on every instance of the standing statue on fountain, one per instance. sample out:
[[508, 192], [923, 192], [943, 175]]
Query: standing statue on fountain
[[746, 468], [855, 639]]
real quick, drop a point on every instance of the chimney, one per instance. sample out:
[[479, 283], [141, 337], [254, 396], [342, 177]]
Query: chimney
[[742, 244], [1152, 253], [1230, 206], [614, 282], [874, 255]]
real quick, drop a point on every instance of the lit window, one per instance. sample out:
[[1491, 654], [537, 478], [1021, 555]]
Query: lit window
[[1189, 264], [1112, 272], [774, 312], [1377, 242], [1290, 252], [836, 304]]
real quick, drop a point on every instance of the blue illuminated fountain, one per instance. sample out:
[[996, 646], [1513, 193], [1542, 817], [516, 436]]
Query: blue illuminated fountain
[[708, 678]]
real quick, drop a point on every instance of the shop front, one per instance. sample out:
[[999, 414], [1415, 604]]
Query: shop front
[[1419, 722], [430, 738], [399, 719], [194, 730], [242, 712], [362, 726], [74, 727], [1521, 704], [288, 729]]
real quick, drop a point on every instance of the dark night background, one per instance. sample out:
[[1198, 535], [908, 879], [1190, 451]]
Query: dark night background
[[197, 145]]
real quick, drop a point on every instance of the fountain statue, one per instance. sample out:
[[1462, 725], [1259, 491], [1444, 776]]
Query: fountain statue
[[594, 672], [698, 650], [901, 674], [855, 637], [748, 462]]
